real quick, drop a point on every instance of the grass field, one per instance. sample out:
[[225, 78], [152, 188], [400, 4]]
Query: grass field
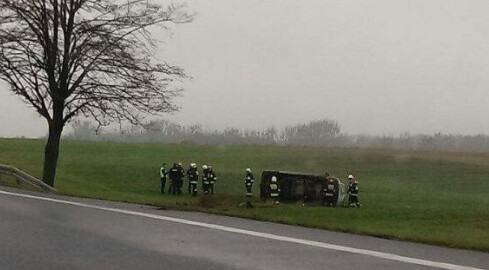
[[438, 198]]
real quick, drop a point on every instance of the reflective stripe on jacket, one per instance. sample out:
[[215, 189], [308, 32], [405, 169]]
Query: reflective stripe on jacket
[[274, 190]]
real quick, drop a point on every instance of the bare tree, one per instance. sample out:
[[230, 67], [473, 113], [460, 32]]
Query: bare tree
[[90, 57]]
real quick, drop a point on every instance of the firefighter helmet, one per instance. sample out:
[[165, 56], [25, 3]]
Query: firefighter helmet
[[274, 179], [204, 167], [248, 170]]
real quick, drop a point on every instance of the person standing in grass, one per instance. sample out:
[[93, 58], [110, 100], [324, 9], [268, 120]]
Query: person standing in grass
[[249, 180], [193, 177], [329, 191], [163, 177], [170, 183], [181, 175], [176, 176], [189, 176], [211, 176], [205, 179], [274, 190], [353, 190]]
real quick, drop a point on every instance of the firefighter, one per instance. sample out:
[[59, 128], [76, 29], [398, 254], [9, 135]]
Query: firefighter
[[176, 176], [170, 185], [190, 168], [173, 174], [211, 176], [205, 180], [329, 191], [193, 178], [170, 182], [249, 180], [274, 190], [181, 174], [353, 192], [163, 177]]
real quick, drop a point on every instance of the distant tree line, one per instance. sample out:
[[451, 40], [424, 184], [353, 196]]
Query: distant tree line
[[321, 133]]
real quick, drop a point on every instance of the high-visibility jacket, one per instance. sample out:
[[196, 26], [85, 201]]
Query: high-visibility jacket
[[193, 175], [329, 188], [205, 177], [274, 190], [249, 179], [353, 188], [163, 173], [211, 176]]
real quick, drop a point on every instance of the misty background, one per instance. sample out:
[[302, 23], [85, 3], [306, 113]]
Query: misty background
[[377, 68], [321, 133]]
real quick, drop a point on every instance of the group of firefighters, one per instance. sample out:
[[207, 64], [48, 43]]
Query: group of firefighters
[[330, 195], [176, 174], [329, 192]]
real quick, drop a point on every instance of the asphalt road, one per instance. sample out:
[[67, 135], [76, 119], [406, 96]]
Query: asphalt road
[[92, 234]]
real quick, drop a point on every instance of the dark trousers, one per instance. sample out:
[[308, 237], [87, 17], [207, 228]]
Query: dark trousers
[[178, 186], [211, 187], [205, 187], [353, 199], [175, 186], [193, 188], [248, 191], [170, 187], [163, 183], [329, 200]]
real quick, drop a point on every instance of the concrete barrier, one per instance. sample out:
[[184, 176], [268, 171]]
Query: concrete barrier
[[23, 177]]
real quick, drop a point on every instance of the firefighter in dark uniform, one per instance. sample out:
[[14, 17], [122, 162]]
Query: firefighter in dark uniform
[[192, 166], [205, 180], [181, 175], [173, 175], [193, 178], [211, 176], [274, 190], [170, 183], [329, 191], [176, 176], [353, 192], [163, 177], [249, 180]]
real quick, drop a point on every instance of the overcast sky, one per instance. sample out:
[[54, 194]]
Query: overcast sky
[[375, 66]]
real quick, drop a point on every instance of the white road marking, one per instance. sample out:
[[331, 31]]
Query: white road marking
[[367, 252]]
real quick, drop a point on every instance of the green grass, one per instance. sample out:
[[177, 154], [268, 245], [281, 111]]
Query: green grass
[[9, 181], [439, 198]]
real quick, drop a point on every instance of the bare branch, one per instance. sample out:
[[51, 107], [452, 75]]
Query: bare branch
[[90, 57]]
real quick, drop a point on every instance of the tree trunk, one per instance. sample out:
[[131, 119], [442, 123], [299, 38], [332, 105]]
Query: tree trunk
[[51, 152]]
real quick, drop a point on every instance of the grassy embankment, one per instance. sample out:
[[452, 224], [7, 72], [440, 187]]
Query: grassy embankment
[[438, 198]]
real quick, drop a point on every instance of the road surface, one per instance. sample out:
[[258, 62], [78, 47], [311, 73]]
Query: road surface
[[56, 232]]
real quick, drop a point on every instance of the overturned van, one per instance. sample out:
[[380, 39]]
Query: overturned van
[[301, 187]]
